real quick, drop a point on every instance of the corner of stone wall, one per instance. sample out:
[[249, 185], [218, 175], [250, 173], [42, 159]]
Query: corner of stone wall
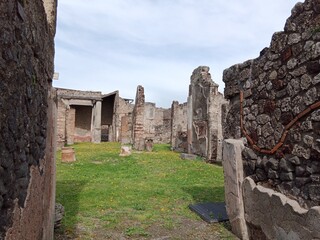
[[233, 178], [50, 7]]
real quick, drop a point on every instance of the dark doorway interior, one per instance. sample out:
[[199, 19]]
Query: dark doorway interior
[[83, 124], [107, 115]]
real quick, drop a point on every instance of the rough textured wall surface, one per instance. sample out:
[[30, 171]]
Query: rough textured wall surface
[[179, 122], [27, 120], [79, 116], [287, 220], [275, 105], [279, 110], [157, 123], [81, 123], [204, 124], [138, 120], [163, 127], [124, 112]]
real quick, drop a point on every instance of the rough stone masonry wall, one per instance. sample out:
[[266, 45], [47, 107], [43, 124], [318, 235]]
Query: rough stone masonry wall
[[27, 183], [204, 116], [138, 120], [157, 123], [68, 99], [124, 111], [179, 141], [275, 105]]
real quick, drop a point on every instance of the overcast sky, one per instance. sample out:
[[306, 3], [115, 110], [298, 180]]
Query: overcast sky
[[108, 45]]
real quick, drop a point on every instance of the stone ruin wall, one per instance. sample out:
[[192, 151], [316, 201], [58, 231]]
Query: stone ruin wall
[[68, 101], [142, 121], [157, 123], [179, 127], [125, 110], [275, 105], [27, 120], [204, 116], [138, 120]]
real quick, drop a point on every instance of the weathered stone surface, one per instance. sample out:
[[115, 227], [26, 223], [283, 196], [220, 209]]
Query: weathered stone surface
[[272, 174], [280, 116], [138, 120], [68, 154], [289, 220], [314, 192], [301, 181], [286, 165], [301, 151], [205, 116], [188, 156], [301, 171], [58, 216], [125, 151], [286, 176], [27, 120], [233, 177], [249, 154], [149, 145], [273, 164]]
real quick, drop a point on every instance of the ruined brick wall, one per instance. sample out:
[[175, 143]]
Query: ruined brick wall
[[75, 110], [163, 129], [275, 105], [179, 126], [27, 119], [124, 123], [157, 123]]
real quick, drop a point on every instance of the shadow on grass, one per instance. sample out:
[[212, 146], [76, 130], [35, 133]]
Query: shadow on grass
[[68, 194], [205, 194]]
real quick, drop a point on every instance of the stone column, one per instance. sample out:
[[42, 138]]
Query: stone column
[[96, 122], [70, 124], [138, 120], [233, 178], [173, 137], [189, 124]]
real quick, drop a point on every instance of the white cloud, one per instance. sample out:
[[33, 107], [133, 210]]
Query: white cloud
[[108, 45]]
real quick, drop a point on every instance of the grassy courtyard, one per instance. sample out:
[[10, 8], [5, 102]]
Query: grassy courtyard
[[142, 196]]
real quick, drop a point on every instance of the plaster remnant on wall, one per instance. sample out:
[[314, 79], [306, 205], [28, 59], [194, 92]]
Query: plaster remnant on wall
[[205, 116]]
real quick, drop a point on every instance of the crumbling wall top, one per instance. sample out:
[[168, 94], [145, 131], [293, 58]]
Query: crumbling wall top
[[201, 75]]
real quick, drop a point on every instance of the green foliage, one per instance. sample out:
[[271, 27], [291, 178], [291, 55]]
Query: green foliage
[[135, 232], [131, 193]]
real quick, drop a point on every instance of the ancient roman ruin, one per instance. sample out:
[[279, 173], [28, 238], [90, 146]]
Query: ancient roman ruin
[[273, 176], [27, 120], [269, 126], [204, 129], [194, 127]]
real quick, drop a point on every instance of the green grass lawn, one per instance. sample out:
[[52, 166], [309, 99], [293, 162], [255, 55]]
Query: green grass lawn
[[130, 194]]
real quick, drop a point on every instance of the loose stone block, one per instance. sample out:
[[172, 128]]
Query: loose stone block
[[149, 145], [188, 156], [125, 151], [68, 154]]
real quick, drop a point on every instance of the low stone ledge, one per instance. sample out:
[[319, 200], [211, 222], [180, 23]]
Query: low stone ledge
[[278, 216], [187, 156]]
